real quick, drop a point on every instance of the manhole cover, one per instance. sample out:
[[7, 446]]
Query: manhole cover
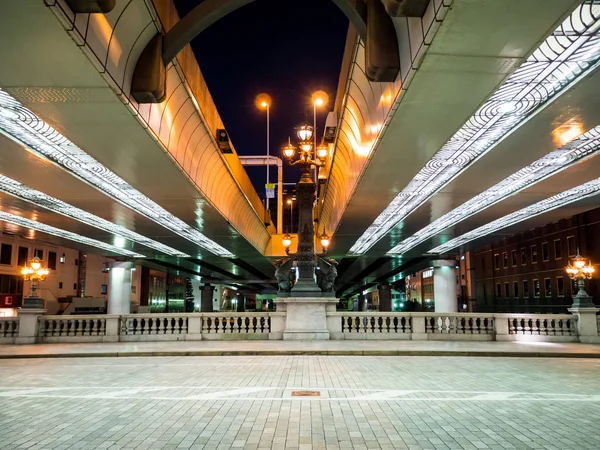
[[306, 394]]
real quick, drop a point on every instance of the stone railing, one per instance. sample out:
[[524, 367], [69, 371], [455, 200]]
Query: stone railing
[[460, 326], [454, 326], [9, 329], [156, 327], [225, 325], [357, 325], [149, 327], [31, 326], [554, 325]]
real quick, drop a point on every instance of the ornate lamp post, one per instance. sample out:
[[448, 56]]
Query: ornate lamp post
[[34, 272], [581, 269], [306, 259]]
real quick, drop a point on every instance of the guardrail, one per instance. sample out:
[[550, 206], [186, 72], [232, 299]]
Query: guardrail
[[9, 329], [31, 327], [454, 326]]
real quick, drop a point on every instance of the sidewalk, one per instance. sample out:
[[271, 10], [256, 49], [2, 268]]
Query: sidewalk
[[353, 348]]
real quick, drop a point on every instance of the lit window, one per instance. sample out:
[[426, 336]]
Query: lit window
[[525, 288], [536, 288], [547, 288], [533, 254]]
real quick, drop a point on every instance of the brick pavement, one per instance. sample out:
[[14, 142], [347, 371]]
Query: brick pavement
[[246, 402]]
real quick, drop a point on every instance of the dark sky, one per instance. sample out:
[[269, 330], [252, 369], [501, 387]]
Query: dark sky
[[286, 48]]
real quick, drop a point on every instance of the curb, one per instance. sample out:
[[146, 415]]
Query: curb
[[445, 353]]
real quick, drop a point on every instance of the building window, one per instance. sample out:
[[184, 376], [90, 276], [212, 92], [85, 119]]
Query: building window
[[525, 288], [22, 256], [496, 261], [60, 284], [52, 260], [38, 253], [506, 291], [498, 290], [523, 256], [545, 252], [62, 259], [536, 288], [74, 286], [103, 289], [571, 250], [504, 260], [557, 249], [516, 289], [560, 286], [6, 254], [513, 257], [533, 254], [547, 288]]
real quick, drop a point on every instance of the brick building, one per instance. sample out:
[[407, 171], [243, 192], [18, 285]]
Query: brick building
[[526, 272]]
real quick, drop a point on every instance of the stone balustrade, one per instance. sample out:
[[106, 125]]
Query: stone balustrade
[[549, 327], [460, 326], [583, 326], [456, 326], [228, 325], [9, 329]]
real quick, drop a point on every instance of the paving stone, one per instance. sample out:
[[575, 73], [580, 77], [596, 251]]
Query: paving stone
[[245, 402]]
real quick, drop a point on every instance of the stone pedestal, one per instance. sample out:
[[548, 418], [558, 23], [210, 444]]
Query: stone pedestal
[[587, 324], [33, 303], [29, 325], [306, 317]]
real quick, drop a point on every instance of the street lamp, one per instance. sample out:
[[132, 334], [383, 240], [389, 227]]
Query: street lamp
[[581, 269], [263, 101], [306, 155], [290, 202], [34, 272], [319, 99]]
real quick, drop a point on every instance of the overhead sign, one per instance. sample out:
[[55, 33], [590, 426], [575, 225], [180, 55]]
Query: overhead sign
[[270, 187]]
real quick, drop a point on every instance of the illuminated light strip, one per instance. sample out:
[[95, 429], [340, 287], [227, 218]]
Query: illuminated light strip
[[562, 60], [38, 198], [588, 189], [588, 144], [23, 126], [27, 223]]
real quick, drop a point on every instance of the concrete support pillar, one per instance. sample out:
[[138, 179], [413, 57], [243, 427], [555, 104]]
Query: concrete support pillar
[[206, 298], [362, 302], [119, 288], [444, 286], [385, 298], [241, 303]]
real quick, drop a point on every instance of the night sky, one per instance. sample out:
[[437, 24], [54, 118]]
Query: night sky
[[285, 48]]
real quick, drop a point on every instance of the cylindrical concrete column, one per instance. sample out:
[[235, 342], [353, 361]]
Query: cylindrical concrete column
[[206, 298], [241, 303], [444, 286], [385, 298], [362, 303], [119, 288]]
